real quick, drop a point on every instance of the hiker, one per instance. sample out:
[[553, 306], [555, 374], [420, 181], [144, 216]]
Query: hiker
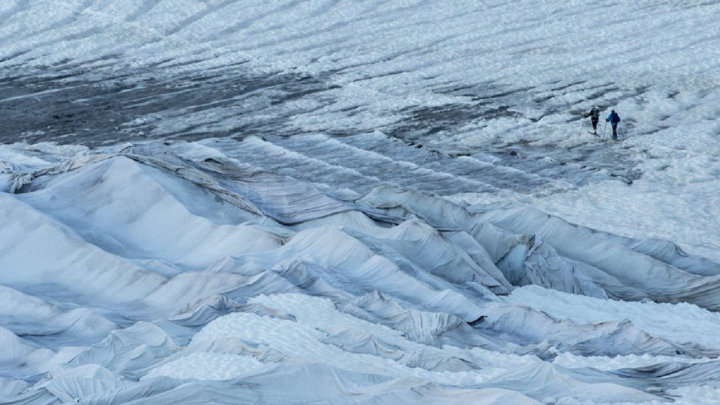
[[614, 120], [595, 117]]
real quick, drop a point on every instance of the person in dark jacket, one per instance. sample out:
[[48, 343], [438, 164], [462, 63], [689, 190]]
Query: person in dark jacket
[[594, 115], [614, 120]]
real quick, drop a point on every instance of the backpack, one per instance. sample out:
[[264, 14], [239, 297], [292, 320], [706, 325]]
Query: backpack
[[613, 118]]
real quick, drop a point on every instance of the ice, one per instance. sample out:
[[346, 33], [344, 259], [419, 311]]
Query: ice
[[241, 201]]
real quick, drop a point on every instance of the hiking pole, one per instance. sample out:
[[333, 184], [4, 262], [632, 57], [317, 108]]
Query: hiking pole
[[604, 128]]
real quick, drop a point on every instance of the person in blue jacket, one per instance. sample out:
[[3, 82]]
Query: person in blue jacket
[[614, 120]]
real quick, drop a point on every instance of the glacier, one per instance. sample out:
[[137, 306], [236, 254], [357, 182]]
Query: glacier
[[334, 201]]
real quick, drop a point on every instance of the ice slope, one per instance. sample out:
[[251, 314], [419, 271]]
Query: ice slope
[[395, 285], [228, 201]]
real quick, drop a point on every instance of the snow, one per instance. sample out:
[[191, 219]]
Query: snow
[[352, 202]]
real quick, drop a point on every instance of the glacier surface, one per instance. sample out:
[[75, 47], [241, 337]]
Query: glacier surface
[[295, 202]]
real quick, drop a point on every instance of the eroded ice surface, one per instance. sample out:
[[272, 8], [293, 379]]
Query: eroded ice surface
[[358, 202]]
